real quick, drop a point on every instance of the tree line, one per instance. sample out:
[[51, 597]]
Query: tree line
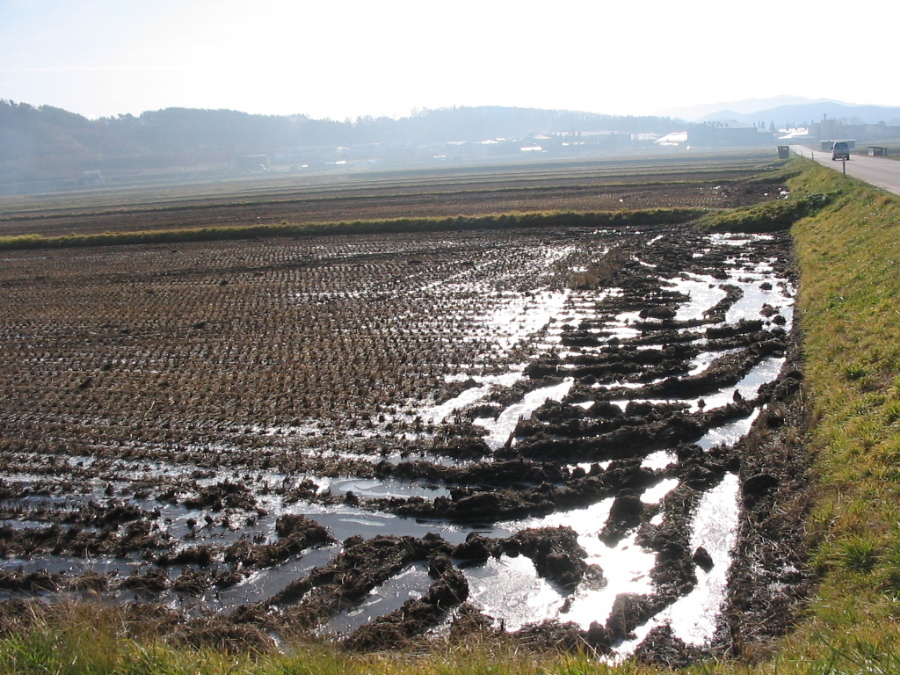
[[46, 143]]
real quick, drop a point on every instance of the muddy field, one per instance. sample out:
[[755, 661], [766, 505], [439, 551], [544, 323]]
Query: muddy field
[[709, 182], [566, 437]]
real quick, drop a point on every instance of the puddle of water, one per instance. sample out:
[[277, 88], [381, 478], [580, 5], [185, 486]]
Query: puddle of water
[[510, 590], [58, 565], [501, 429], [734, 239], [704, 359], [437, 414], [704, 293], [693, 617], [626, 569], [413, 582], [523, 316], [762, 373], [655, 494], [730, 433], [659, 460], [345, 521], [586, 466], [264, 584], [372, 488], [585, 521], [626, 566], [751, 304]]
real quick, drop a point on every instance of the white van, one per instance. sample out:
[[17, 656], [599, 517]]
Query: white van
[[840, 150]]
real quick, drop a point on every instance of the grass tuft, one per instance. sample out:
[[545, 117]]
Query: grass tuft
[[768, 216]]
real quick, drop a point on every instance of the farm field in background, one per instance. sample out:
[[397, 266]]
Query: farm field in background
[[709, 181]]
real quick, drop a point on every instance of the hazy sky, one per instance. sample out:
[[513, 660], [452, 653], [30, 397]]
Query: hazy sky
[[346, 58]]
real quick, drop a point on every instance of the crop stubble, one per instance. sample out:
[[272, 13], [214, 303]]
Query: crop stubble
[[161, 402], [362, 197]]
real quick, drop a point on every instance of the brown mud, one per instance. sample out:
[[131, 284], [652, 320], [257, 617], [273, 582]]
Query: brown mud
[[372, 199], [184, 426]]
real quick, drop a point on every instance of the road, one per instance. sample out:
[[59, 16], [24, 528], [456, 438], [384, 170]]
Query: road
[[878, 171]]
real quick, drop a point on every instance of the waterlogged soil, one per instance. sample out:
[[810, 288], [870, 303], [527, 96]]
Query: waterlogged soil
[[568, 438]]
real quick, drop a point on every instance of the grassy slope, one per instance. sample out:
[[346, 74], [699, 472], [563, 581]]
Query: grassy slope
[[849, 311], [850, 316]]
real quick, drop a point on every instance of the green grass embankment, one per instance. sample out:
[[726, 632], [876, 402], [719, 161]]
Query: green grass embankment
[[849, 312], [88, 639], [847, 242], [848, 249], [391, 226]]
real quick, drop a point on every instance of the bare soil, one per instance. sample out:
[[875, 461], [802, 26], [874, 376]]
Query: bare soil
[[176, 422], [367, 198]]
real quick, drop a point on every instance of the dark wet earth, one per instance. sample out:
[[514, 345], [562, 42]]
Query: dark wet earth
[[548, 434]]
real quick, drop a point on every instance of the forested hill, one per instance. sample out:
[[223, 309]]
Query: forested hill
[[46, 143]]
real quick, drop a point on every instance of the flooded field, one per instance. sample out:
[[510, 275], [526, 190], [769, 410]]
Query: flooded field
[[383, 437]]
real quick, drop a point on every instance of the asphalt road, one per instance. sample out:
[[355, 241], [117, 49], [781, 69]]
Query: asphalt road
[[878, 171]]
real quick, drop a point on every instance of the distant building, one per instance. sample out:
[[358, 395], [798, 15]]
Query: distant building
[[830, 130], [728, 134], [796, 134], [675, 138]]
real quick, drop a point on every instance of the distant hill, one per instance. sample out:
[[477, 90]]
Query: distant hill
[[785, 111], [45, 143], [707, 111], [805, 114]]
